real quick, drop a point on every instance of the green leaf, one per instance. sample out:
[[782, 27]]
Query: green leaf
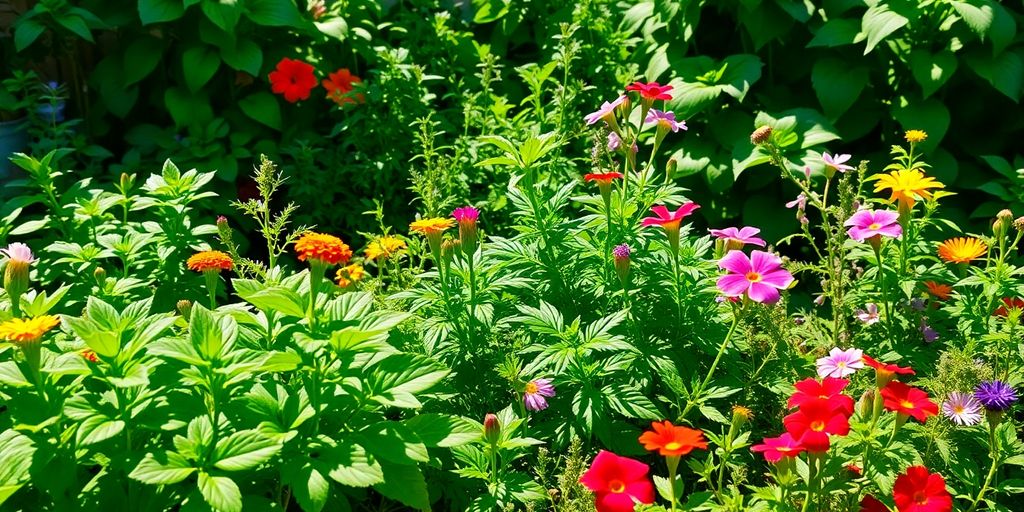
[[162, 468], [977, 14], [631, 403], [245, 55], [443, 430], [397, 378], [930, 115], [244, 450], [351, 465], [76, 25], [405, 484], [836, 32], [310, 488], [104, 342], [1005, 72], [394, 442], [272, 298], [220, 492], [209, 335], [98, 428], [156, 11], [335, 28], [26, 31], [223, 13], [837, 84], [263, 107], [141, 58], [273, 13], [187, 109], [199, 64], [931, 71], [879, 21]]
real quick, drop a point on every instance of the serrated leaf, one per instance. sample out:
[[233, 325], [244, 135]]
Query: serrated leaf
[[244, 450], [220, 492], [162, 468]]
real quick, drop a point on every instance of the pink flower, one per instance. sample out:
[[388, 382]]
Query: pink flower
[[536, 391], [839, 364], [466, 214], [614, 141], [800, 202], [669, 220], [775, 448], [618, 482], [760, 276], [868, 315], [837, 162], [737, 238], [869, 223], [18, 253], [665, 120], [606, 112]]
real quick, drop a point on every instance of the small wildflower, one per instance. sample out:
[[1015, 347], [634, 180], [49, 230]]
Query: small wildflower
[[840, 363], [906, 186], [666, 121], [620, 254], [915, 136], [775, 448], [995, 395], [209, 261], [672, 441], [492, 429], [759, 276], [761, 135], [618, 482], [606, 113], [962, 249], [90, 355], [339, 86], [20, 331], [927, 332], [962, 409], [800, 202], [938, 290], [467, 217], [651, 91], [837, 162], [16, 271], [868, 224], [349, 274], [431, 226], [536, 392], [868, 315], [614, 141], [736, 238], [917, 490], [384, 248], [319, 247], [907, 400], [292, 79]]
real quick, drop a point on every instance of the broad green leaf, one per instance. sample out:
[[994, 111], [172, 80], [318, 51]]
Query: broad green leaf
[[929, 115], [223, 13], [397, 378], [836, 32], [26, 31], [244, 450], [199, 64], [98, 428], [444, 430], [156, 11], [931, 71], [310, 487], [351, 465], [220, 492], [244, 55], [977, 14], [1005, 72], [263, 107], [631, 403], [879, 21], [273, 13], [273, 298], [405, 484], [394, 442], [837, 84], [162, 468], [335, 28]]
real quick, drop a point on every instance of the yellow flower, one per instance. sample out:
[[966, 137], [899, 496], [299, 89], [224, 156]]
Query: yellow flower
[[914, 136], [962, 250], [350, 274], [328, 249], [431, 226], [209, 260], [384, 247], [906, 186], [23, 332]]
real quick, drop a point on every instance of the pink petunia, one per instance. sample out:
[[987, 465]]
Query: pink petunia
[[837, 162], [737, 238], [606, 112], [870, 223], [759, 276], [665, 120], [667, 219], [775, 448], [840, 363]]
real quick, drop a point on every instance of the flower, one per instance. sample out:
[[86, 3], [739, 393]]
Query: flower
[[927, 332], [620, 255], [669, 220], [90, 355], [619, 482], [614, 141], [868, 315], [339, 86], [760, 276], [837, 162], [903, 399], [829, 389], [840, 363], [917, 490], [884, 372], [603, 179], [962, 249], [16, 278], [737, 238], [349, 274], [606, 113], [24, 332], [672, 441], [467, 216], [906, 185], [995, 395], [209, 261], [293, 79], [813, 422], [866, 224], [914, 136], [536, 391], [870, 503], [318, 247], [941, 291], [1008, 305], [651, 90], [621, 251], [761, 135], [962, 408], [431, 226], [384, 248], [665, 120], [18, 252], [800, 202], [492, 428], [775, 448]]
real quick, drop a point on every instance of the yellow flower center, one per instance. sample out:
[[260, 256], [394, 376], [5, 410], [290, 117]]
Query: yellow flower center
[[907, 404], [617, 486], [531, 388], [674, 445], [875, 226], [753, 277], [818, 425]]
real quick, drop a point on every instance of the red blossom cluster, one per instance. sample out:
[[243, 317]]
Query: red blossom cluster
[[295, 80]]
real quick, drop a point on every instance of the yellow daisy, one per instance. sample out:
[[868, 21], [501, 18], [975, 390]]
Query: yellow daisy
[[906, 186], [431, 226], [384, 247], [23, 332], [962, 249], [350, 274], [915, 136]]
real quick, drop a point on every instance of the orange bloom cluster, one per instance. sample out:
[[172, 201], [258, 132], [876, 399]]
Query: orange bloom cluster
[[209, 260], [328, 249]]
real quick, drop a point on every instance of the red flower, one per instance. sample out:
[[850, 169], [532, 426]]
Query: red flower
[[813, 422], [775, 448], [603, 179], [339, 85], [829, 389], [871, 504], [292, 78], [903, 399], [1008, 304], [667, 219], [651, 90], [619, 482], [672, 441], [884, 372], [917, 490]]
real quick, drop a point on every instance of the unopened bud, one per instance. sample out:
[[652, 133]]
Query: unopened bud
[[100, 275], [621, 255], [127, 182], [16, 278], [492, 429], [740, 416], [670, 168], [761, 135], [1004, 219], [185, 307], [866, 403], [467, 217], [448, 249]]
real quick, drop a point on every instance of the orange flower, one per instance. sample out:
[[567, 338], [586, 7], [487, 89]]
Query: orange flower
[[339, 86], [90, 355], [432, 226], [350, 274], [962, 249], [328, 249], [209, 260], [24, 332], [672, 441], [938, 290]]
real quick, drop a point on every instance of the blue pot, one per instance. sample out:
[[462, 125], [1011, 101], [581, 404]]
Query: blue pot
[[13, 139]]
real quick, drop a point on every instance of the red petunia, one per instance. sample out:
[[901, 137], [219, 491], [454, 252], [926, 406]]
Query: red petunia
[[775, 448], [604, 178], [884, 372], [829, 389], [293, 79], [1008, 304], [651, 90], [903, 399], [917, 490], [339, 85], [813, 423], [619, 482]]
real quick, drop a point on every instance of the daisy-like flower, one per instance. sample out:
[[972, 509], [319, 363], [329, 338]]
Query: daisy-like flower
[[906, 186], [21, 332], [915, 136], [868, 224], [962, 249], [840, 363], [938, 290], [759, 276], [837, 162], [319, 247], [736, 238], [962, 408], [349, 274], [536, 392], [292, 79], [666, 121], [18, 253], [651, 90], [339, 86], [995, 395], [432, 226], [868, 315], [212, 261], [606, 113], [775, 448], [672, 441], [384, 248]]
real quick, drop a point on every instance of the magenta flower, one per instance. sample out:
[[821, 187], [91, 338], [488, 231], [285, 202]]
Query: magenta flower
[[870, 223], [868, 315], [606, 113], [840, 364], [737, 238], [775, 448], [536, 391], [760, 276], [669, 220], [837, 162], [800, 202], [665, 120], [466, 214]]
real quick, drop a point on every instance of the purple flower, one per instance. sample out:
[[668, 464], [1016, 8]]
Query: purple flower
[[929, 334], [837, 162], [536, 390], [466, 214], [800, 202], [917, 304], [737, 238], [870, 223], [614, 141], [962, 409], [621, 251], [995, 395], [665, 120], [606, 112], [840, 363], [868, 315]]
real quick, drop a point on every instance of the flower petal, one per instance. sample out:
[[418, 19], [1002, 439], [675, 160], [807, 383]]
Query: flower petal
[[736, 262]]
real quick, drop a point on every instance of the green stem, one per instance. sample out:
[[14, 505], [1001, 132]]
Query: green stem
[[673, 466], [812, 480], [472, 297], [994, 453], [316, 273], [695, 396], [885, 292], [211, 287]]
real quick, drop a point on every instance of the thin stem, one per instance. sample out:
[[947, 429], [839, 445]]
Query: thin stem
[[994, 454], [695, 395], [812, 480], [884, 291]]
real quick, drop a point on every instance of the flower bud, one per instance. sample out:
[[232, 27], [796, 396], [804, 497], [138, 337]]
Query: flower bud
[[449, 248], [467, 217], [492, 429], [761, 135], [1019, 223], [621, 254], [740, 416], [127, 182], [1004, 219], [100, 275], [185, 308], [670, 169], [866, 403], [16, 278]]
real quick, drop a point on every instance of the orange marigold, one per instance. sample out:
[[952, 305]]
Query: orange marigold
[[210, 260], [22, 332], [672, 441], [320, 247], [962, 249], [350, 274], [938, 290], [431, 226]]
